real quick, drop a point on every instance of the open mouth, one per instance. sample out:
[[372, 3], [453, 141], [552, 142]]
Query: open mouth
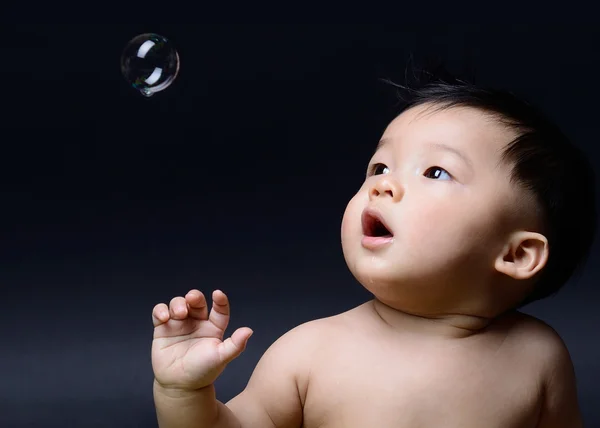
[[374, 226]]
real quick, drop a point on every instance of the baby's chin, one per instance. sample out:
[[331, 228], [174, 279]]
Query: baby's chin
[[408, 294], [401, 300], [382, 286], [379, 271]]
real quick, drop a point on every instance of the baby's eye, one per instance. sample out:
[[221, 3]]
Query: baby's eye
[[437, 171], [379, 168]]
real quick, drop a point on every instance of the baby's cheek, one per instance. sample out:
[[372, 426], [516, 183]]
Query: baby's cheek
[[352, 214], [346, 223], [351, 222]]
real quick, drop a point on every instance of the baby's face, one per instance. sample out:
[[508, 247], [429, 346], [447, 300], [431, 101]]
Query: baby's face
[[438, 185]]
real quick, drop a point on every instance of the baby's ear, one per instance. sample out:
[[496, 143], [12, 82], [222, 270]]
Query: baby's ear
[[524, 255]]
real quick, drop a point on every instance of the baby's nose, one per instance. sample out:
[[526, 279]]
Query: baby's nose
[[386, 186]]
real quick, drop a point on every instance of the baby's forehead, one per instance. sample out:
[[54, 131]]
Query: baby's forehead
[[449, 118], [464, 128]]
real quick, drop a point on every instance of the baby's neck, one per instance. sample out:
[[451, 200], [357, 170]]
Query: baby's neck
[[443, 325]]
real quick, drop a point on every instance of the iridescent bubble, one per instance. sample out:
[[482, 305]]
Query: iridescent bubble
[[150, 63]]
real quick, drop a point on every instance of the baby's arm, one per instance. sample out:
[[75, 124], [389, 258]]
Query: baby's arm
[[560, 408], [272, 398]]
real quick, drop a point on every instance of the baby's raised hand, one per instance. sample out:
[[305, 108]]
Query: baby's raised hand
[[188, 351]]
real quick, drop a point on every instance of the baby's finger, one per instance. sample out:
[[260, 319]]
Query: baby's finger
[[197, 306], [178, 308], [219, 314], [234, 345], [160, 314]]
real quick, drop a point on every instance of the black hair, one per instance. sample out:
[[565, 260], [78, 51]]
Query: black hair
[[544, 163]]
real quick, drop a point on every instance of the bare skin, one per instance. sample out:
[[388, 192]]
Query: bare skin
[[355, 370], [373, 375], [438, 346]]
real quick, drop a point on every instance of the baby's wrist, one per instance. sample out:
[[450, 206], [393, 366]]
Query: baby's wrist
[[181, 393]]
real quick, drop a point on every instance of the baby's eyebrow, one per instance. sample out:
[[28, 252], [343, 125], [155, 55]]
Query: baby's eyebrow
[[453, 150], [434, 146], [381, 143]]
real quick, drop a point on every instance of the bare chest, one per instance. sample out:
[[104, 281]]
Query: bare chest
[[372, 384]]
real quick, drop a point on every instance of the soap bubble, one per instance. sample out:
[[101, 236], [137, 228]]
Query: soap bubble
[[150, 63]]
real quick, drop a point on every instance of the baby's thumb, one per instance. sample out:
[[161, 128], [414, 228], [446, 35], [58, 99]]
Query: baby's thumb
[[233, 346]]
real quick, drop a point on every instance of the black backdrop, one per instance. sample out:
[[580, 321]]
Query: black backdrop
[[236, 177]]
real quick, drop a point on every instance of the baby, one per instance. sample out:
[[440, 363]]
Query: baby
[[473, 205]]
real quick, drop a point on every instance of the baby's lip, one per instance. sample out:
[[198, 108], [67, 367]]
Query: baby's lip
[[371, 219]]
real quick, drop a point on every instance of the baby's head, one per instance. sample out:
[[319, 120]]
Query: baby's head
[[473, 203]]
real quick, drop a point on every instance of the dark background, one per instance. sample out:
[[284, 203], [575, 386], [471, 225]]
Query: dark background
[[236, 178]]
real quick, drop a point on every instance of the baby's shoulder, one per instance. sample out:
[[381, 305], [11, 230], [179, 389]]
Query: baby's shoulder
[[537, 339], [525, 327], [309, 335], [315, 331]]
